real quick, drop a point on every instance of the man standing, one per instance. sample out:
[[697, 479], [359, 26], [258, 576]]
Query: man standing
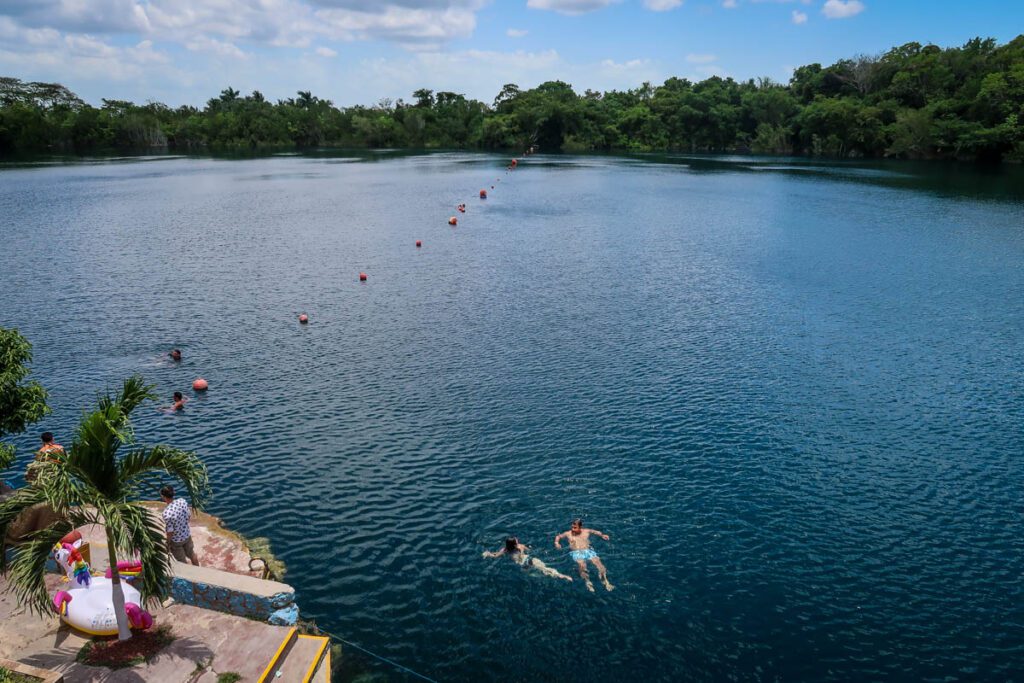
[[580, 550], [179, 536]]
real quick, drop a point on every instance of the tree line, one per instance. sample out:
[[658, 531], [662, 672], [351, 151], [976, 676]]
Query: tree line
[[914, 101]]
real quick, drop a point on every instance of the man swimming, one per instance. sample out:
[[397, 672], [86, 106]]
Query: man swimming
[[516, 552], [175, 355], [580, 550], [179, 402]]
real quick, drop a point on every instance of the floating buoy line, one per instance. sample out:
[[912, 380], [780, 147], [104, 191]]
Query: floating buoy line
[[201, 385]]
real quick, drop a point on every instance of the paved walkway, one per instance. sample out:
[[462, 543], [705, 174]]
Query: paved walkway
[[217, 642], [216, 546], [207, 642]]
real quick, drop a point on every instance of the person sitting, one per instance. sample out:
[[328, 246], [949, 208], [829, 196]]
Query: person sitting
[[516, 552], [50, 452]]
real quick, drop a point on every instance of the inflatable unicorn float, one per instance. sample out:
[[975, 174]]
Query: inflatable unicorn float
[[89, 605]]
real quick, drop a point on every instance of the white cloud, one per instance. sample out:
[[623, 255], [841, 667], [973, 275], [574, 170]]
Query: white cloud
[[571, 7], [709, 70], [516, 32], [662, 5], [842, 9], [49, 55], [700, 59], [610, 65], [799, 17], [206, 44], [326, 52], [293, 23]]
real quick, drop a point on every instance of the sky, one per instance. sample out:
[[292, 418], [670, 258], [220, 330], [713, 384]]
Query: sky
[[363, 51]]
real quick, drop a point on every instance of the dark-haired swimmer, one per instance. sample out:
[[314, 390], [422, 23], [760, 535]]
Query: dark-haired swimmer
[[179, 402], [516, 552], [175, 355], [580, 550]]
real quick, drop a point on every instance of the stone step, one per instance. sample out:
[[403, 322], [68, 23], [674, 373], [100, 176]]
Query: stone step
[[304, 659], [300, 659], [269, 673], [323, 673]]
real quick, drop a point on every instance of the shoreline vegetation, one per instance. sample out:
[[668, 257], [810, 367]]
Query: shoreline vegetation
[[913, 102]]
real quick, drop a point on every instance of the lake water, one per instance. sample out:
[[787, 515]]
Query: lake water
[[790, 391]]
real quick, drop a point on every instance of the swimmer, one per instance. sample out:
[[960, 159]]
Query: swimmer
[[175, 355], [580, 550], [516, 552], [179, 402]]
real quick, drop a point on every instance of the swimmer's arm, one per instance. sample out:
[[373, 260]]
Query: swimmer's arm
[[600, 533], [495, 553], [558, 539]]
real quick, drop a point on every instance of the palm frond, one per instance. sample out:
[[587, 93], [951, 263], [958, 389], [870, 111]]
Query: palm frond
[[28, 569], [134, 392], [96, 440], [141, 533], [142, 466], [101, 432], [63, 485], [92, 486], [118, 408]]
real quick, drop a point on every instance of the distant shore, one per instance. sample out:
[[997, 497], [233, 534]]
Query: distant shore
[[914, 101]]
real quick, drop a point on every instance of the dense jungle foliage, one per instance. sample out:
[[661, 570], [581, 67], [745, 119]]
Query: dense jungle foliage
[[914, 101]]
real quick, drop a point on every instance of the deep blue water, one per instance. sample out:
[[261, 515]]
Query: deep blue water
[[791, 392]]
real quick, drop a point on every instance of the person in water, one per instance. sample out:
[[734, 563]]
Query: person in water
[[516, 552], [175, 355], [579, 549], [179, 402]]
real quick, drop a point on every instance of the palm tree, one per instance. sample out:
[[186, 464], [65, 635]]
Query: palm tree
[[97, 484]]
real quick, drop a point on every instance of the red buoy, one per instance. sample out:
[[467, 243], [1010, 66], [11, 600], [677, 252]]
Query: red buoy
[[453, 221], [419, 243], [483, 193], [200, 384], [362, 277], [303, 318]]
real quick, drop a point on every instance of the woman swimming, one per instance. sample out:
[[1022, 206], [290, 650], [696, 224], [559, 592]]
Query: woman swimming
[[516, 552]]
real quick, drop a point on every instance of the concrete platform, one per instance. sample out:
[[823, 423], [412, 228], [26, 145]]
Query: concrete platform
[[216, 546], [204, 640]]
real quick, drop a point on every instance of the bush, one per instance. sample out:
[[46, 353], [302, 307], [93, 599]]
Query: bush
[[120, 654]]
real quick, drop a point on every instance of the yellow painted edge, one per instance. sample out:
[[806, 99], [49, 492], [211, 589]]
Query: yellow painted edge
[[277, 655], [87, 631], [316, 660], [327, 663]]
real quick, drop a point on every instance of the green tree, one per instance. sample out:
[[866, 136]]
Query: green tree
[[99, 482], [22, 401]]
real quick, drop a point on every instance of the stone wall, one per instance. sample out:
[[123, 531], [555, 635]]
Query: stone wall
[[244, 596]]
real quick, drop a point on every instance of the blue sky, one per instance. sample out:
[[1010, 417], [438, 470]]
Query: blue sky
[[362, 51]]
